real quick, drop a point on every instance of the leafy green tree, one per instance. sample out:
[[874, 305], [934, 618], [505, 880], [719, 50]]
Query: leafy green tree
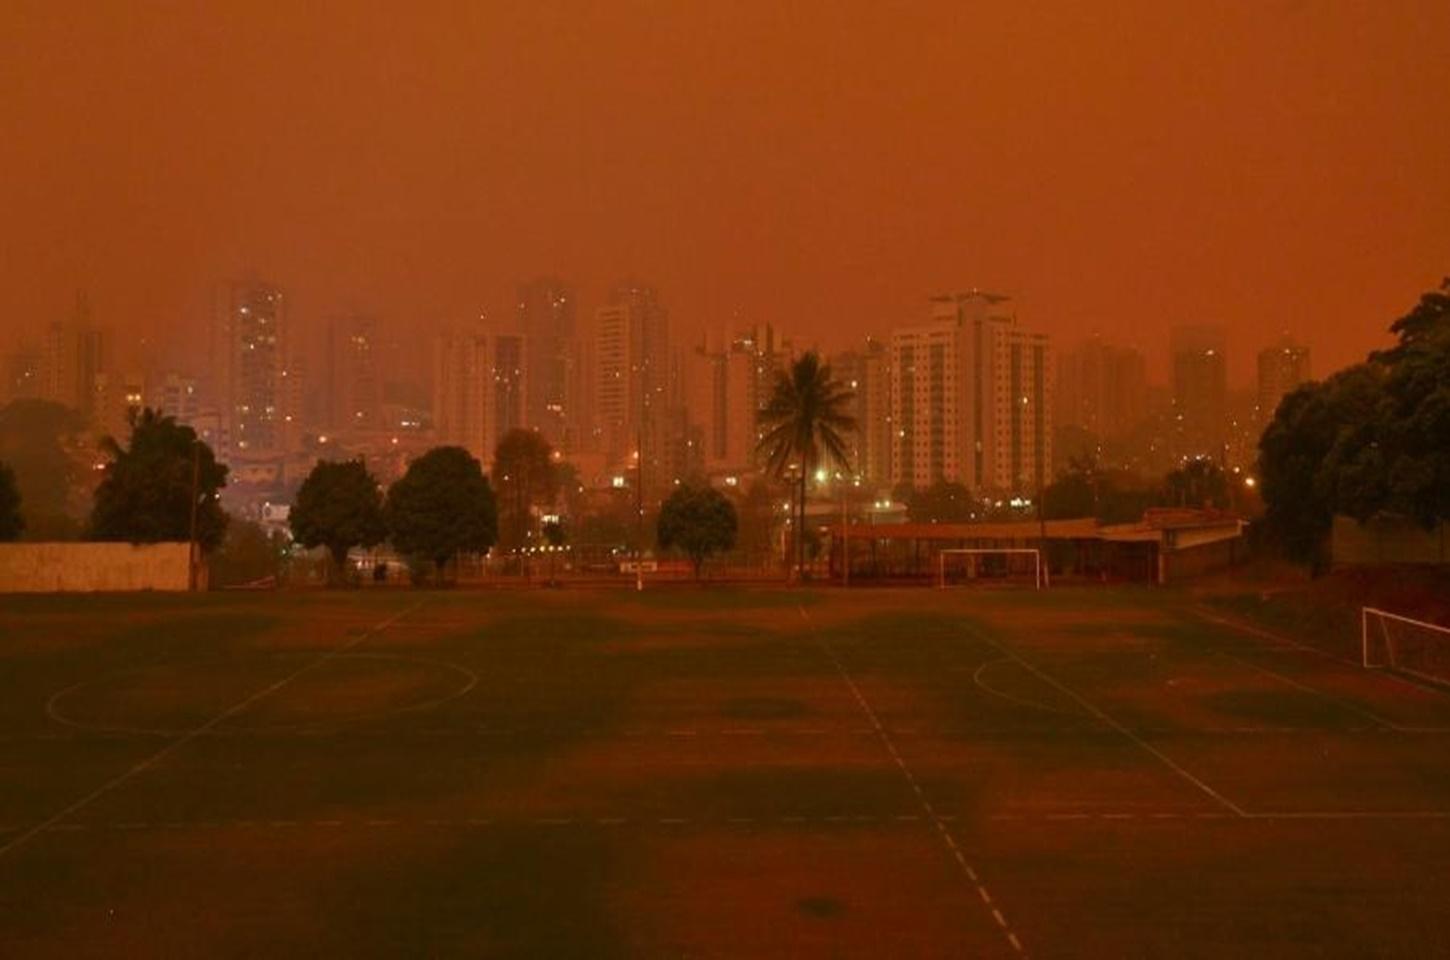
[[441, 506], [146, 495], [759, 511], [40, 442], [339, 506], [1087, 489], [945, 501], [1373, 439], [11, 521], [525, 478], [805, 425], [1424, 328], [1198, 483], [1299, 493], [1413, 439], [697, 521], [610, 523], [1075, 492]]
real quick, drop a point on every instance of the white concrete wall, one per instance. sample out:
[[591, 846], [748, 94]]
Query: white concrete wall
[[92, 567]]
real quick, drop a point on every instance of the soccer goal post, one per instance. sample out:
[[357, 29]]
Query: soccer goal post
[[963, 565], [1390, 641]]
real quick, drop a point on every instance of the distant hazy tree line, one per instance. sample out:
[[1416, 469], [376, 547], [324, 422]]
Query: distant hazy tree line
[[1371, 440]]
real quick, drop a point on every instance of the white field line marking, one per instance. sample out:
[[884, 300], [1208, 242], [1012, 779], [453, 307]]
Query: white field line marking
[[186, 738], [1313, 691], [1162, 757], [1359, 669], [1020, 701], [926, 806]]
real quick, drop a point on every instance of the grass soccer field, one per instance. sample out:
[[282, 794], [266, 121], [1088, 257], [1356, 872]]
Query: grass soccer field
[[707, 773]]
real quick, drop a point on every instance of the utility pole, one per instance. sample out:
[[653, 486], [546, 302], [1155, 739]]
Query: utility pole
[[1041, 526]]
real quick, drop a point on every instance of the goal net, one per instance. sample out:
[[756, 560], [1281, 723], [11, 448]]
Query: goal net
[[963, 566], [1392, 642]]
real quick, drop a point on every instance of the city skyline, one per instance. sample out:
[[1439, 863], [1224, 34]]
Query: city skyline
[[1261, 167]]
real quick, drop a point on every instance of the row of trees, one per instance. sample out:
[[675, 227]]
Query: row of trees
[[1371, 440], [444, 505], [441, 506], [163, 485]]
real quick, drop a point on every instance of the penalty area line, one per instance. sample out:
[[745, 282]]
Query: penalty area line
[[1092, 708]]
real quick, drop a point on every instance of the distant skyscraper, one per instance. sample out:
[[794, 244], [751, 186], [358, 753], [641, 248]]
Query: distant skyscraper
[[353, 383], [176, 395], [1102, 388], [971, 398], [1282, 367], [117, 395], [867, 373], [546, 314], [724, 386], [22, 375], [71, 357], [1200, 390], [479, 388], [632, 376], [250, 371]]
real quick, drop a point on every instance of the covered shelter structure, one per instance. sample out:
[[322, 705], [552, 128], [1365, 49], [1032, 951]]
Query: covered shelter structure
[[1164, 545]]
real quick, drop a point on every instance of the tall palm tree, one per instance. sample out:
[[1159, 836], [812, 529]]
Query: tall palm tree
[[804, 424]]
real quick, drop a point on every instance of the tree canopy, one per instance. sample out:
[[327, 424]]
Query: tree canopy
[[1087, 489], [525, 478], [339, 506], [1373, 439], [145, 496], [698, 521], [38, 439], [1198, 483], [945, 501], [805, 424], [441, 506], [11, 521]]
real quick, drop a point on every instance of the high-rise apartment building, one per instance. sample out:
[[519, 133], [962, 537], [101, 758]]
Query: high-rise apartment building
[[117, 394], [479, 388], [21, 375], [724, 386], [632, 377], [252, 383], [1200, 390], [1102, 389], [71, 357], [1282, 367], [971, 398], [546, 315], [176, 395], [354, 388], [867, 373]]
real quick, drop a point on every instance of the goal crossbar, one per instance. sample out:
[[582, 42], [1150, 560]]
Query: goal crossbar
[[1039, 574], [1396, 642]]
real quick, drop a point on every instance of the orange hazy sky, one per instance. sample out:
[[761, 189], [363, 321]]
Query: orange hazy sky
[[1118, 167]]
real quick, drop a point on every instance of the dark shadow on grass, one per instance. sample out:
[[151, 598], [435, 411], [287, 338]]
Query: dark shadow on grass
[[495, 893], [1281, 708]]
